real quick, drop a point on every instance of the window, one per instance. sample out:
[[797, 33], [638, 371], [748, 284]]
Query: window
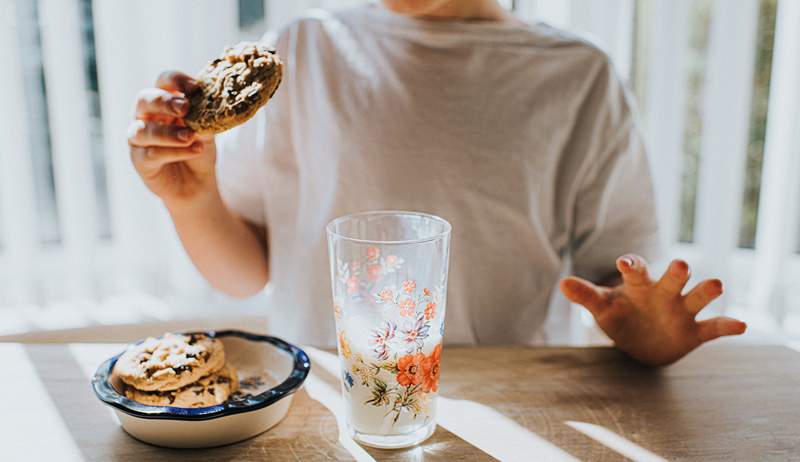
[[637, 34], [251, 13], [38, 123], [95, 120], [758, 122], [693, 128]]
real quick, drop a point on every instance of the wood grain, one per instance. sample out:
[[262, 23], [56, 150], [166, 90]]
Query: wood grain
[[724, 402]]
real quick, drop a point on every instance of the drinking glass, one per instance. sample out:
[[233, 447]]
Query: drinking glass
[[389, 280]]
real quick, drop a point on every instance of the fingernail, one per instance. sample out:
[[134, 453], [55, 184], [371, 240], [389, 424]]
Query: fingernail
[[681, 265], [179, 105], [627, 262]]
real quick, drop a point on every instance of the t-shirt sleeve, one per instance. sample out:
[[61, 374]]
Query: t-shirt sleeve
[[242, 152], [615, 207], [239, 156]]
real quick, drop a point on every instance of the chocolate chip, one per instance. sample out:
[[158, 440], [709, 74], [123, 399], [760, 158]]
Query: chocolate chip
[[181, 369]]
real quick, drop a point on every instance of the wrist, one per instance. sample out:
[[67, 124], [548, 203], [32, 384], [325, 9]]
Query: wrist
[[200, 203]]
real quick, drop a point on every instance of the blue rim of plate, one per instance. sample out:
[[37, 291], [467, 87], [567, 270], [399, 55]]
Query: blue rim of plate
[[302, 365]]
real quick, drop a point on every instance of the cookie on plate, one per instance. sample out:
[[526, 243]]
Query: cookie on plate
[[170, 362], [233, 87], [208, 391]]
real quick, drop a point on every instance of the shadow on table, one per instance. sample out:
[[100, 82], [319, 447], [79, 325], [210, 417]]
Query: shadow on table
[[99, 436], [589, 403], [597, 386], [309, 431], [443, 445]]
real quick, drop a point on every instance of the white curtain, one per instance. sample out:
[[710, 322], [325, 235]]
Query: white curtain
[[134, 41]]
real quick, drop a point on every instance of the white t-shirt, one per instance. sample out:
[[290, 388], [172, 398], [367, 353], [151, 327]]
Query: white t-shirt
[[521, 136]]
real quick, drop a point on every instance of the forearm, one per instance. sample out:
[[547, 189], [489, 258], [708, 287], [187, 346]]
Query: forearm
[[224, 248]]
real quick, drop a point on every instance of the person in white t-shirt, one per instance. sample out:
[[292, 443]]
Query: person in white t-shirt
[[520, 135]]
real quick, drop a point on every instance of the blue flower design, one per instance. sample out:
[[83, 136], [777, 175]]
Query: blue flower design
[[348, 380]]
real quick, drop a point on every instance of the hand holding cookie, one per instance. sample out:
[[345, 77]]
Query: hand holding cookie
[[174, 162], [172, 145]]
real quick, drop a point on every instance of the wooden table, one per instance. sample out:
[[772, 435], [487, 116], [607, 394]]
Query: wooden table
[[724, 402]]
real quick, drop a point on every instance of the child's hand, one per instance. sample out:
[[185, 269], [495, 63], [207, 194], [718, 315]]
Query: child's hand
[[652, 321], [175, 163]]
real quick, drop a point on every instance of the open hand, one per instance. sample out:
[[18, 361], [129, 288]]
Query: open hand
[[652, 321]]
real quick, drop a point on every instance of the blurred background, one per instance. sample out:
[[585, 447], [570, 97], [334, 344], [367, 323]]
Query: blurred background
[[83, 243]]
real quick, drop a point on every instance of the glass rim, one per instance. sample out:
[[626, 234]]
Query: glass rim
[[447, 227]]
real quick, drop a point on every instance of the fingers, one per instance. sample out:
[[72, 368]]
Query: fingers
[[634, 270], [153, 158], [674, 279], [584, 293], [144, 134], [702, 294], [718, 327], [157, 102], [176, 81]]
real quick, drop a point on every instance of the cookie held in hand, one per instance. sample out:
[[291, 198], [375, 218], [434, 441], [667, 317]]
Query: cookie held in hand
[[233, 87]]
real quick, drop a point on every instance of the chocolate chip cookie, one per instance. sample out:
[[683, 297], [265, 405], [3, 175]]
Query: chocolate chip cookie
[[210, 390], [170, 362], [233, 87]]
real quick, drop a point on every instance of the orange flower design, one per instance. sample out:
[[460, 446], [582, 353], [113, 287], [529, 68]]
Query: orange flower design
[[391, 260], [407, 307], [337, 311], [409, 286], [374, 272], [430, 370], [410, 369], [373, 253], [426, 292], [352, 285], [344, 345], [386, 295], [430, 311]]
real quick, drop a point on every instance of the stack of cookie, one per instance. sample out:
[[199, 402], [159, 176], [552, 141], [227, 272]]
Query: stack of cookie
[[177, 370]]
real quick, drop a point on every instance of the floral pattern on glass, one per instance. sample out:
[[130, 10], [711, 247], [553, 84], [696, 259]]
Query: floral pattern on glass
[[382, 340], [408, 300], [416, 375], [357, 276], [396, 372], [348, 380], [344, 345], [414, 334]]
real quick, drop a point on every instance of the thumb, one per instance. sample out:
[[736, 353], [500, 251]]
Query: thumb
[[584, 293]]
